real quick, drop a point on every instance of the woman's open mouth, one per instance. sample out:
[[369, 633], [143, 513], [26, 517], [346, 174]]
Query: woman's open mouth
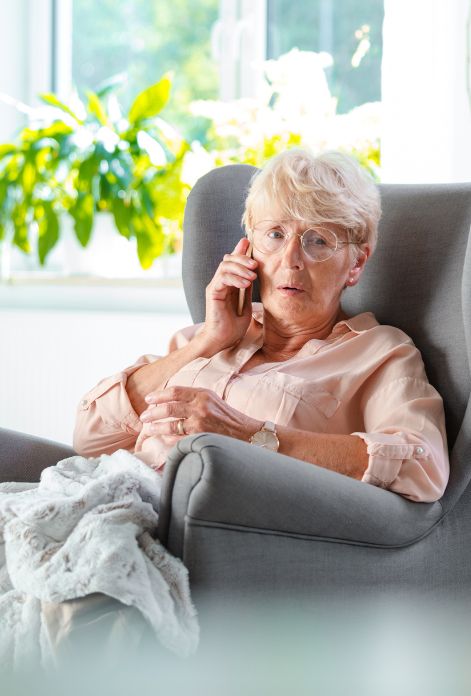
[[290, 290]]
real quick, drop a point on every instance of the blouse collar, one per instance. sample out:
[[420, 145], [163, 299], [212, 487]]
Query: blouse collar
[[360, 323]]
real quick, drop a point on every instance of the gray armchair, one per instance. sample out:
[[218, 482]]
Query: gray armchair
[[247, 522], [251, 522]]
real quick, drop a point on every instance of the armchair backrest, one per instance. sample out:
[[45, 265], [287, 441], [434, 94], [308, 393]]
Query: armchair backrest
[[418, 279]]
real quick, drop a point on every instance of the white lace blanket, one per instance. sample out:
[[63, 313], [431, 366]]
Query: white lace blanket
[[88, 527]]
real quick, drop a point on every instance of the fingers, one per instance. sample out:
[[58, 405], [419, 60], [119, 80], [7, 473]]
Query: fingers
[[172, 409], [169, 427], [237, 271], [161, 396], [167, 407], [240, 257], [237, 280], [165, 412], [242, 246]]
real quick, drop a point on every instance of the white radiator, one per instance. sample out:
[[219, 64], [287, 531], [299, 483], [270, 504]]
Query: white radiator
[[48, 359]]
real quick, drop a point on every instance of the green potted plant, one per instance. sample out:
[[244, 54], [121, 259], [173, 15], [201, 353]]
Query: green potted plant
[[81, 159]]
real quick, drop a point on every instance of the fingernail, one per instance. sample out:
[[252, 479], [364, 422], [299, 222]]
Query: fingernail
[[148, 398]]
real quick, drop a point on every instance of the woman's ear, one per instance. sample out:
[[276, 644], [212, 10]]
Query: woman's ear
[[357, 269]]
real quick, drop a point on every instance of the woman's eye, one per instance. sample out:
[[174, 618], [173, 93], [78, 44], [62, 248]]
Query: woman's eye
[[316, 240], [275, 234]]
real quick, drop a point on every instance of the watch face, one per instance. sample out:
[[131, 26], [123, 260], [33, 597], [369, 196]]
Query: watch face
[[265, 438]]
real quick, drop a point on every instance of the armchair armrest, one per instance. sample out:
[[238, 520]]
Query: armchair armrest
[[214, 480], [23, 457]]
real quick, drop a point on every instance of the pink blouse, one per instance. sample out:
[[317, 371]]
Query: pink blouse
[[365, 379]]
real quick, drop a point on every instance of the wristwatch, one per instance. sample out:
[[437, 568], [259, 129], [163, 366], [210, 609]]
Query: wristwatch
[[266, 437]]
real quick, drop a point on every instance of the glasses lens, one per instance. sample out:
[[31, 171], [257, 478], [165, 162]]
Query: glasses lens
[[319, 243], [268, 238]]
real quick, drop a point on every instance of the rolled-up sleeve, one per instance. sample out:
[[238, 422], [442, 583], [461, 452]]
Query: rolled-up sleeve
[[405, 434], [106, 420]]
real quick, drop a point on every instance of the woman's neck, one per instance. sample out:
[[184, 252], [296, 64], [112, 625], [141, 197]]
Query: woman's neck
[[283, 339]]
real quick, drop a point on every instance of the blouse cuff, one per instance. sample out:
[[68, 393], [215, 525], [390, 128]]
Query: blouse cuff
[[112, 402], [386, 455]]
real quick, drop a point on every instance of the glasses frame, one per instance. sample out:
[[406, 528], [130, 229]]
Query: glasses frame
[[338, 243]]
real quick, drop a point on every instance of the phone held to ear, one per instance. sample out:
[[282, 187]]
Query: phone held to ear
[[240, 304]]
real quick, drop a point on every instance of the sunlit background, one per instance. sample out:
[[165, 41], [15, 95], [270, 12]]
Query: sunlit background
[[91, 247]]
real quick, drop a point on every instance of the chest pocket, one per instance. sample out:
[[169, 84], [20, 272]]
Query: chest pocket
[[294, 402]]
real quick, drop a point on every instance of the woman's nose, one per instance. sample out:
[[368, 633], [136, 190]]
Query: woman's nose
[[293, 253]]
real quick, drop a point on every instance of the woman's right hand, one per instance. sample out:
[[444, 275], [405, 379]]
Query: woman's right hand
[[223, 328]]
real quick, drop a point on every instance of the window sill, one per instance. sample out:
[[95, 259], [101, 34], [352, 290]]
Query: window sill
[[93, 294]]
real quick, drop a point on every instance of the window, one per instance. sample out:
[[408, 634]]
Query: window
[[216, 50], [143, 40], [349, 30]]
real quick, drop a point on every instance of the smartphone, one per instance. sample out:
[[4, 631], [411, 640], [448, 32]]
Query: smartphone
[[240, 305]]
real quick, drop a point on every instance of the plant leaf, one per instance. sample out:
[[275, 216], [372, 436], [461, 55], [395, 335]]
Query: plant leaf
[[96, 107], [121, 169], [20, 238], [150, 240], [110, 84], [87, 171], [150, 101], [28, 177], [48, 232], [122, 214], [82, 212], [7, 150], [3, 193], [49, 98], [169, 193]]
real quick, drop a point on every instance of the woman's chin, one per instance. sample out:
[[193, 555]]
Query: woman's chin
[[286, 307]]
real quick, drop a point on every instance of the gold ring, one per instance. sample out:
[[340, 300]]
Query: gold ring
[[181, 427]]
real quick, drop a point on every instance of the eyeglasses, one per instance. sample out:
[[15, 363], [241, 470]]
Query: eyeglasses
[[319, 243]]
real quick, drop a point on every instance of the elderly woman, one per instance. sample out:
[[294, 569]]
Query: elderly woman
[[294, 374]]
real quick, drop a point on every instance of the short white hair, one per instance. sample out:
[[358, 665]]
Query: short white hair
[[327, 188]]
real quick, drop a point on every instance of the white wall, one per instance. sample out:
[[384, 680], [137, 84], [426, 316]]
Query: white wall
[[13, 61], [426, 107], [25, 57], [49, 359]]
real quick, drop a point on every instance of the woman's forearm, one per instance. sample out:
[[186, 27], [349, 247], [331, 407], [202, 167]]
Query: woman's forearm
[[156, 374], [345, 454]]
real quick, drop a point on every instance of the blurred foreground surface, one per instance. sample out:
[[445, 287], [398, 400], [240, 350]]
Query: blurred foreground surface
[[370, 646]]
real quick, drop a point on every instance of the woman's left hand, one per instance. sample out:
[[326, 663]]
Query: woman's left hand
[[202, 410]]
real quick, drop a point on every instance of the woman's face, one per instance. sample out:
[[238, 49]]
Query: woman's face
[[298, 290]]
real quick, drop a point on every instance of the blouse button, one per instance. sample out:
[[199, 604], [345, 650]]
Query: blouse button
[[84, 403], [419, 450]]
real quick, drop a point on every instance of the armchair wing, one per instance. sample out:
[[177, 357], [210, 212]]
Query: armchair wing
[[23, 457]]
